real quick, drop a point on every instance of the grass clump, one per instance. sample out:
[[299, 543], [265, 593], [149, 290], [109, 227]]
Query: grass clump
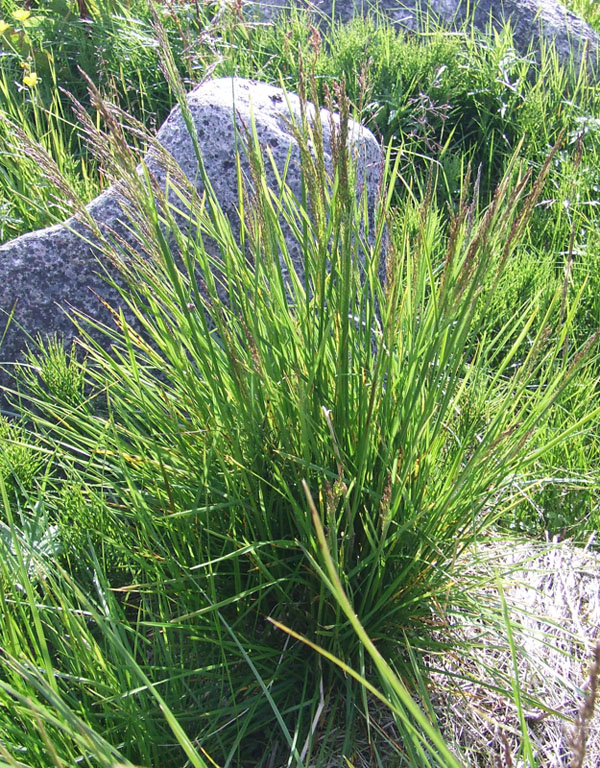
[[278, 452], [239, 538]]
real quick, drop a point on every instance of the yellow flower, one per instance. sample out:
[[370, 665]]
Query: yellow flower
[[31, 80], [3, 26], [21, 14]]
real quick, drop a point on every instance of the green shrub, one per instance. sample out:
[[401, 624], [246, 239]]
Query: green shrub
[[21, 462]]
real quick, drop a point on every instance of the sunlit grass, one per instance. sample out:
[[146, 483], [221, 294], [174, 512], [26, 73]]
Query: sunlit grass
[[238, 538], [587, 9]]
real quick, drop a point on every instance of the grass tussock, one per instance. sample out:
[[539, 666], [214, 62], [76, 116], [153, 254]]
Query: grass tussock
[[242, 536]]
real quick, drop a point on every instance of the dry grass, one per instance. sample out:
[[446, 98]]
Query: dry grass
[[552, 594]]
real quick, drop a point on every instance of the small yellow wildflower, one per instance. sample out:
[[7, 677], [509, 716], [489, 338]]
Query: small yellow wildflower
[[3, 26], [31, 80], [21, 14]]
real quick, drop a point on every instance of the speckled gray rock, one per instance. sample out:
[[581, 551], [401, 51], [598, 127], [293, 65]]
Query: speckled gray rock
[[532, 21], [43, 272]]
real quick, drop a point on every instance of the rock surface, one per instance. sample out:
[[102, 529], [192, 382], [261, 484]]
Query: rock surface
[[43, 272], [532, 21]]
